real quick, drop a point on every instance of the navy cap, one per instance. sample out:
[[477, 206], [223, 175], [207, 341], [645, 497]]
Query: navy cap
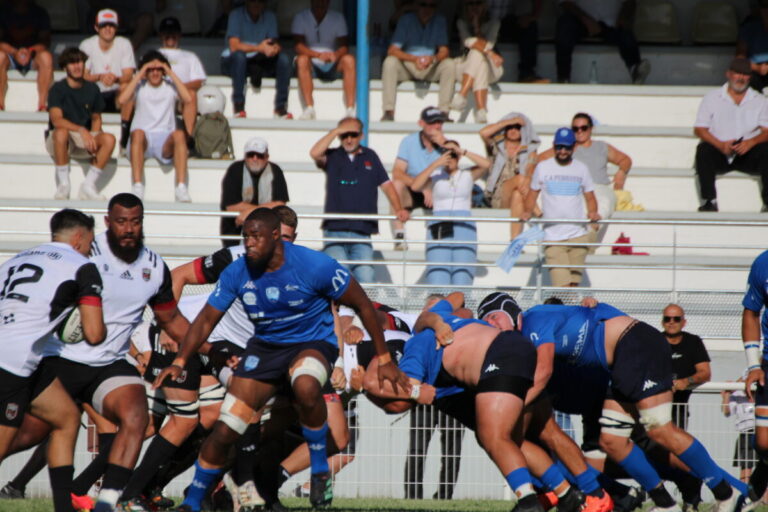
[[169, 25], [564, 137]]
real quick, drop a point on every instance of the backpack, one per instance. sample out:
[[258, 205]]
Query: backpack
[[213, 138]]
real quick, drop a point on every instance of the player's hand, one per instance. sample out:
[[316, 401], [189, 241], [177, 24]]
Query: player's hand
[[389, 371], [356, 378], [338, 380], [443, 334], [426, 394], [756, 375], [172, 372], [496, 59], [233, 362], [353, 335], [589, 302]]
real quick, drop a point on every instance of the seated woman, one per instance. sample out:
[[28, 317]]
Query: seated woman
[[451, 197], [512, 143]]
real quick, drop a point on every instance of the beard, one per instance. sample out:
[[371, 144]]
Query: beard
[[127, 254]]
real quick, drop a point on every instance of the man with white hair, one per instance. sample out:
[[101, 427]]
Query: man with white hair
[[250, 183]]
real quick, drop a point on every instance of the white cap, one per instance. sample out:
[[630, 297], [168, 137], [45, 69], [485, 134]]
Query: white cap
[[256, 144], [106, 16]]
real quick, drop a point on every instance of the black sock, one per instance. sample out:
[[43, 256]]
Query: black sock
[[283, 476], [96, 468], [180, 461], [661, 497], [115, 479], [158, 452], [722, 491], [125, 131], [34, 465], [614, 487], [61, 486], [759, 478], [245, 458]]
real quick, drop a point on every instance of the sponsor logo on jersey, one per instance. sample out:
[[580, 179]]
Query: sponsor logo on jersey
[[181, 378], [126, 275], [251, 362], [9, 319], [54, 256], [339, 279], [490, 368], [316, 447], [578, 348], [273, 293], [676, 355], [208, 261], [294, 303], [11, 411], [648, 384], [249, 285], [146, 273], [291, 287], [249, 299]]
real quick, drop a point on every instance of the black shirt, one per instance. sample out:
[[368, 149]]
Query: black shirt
[[232, 193], [685, 356], [78, 105]]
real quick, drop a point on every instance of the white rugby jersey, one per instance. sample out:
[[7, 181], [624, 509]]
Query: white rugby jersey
[[40, 286], [128, 289], [233, 327]]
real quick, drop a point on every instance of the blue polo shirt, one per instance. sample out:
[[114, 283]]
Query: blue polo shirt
[[417, 39], [241, 25], [413, 151], [352, 186]]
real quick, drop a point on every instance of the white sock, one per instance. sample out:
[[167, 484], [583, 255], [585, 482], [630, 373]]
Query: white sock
[[93, 175], [62, 174]]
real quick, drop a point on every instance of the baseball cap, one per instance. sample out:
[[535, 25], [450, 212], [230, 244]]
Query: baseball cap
[[433, 115], [740, 65], [256, 144], [759, 58], [499, 301], [106, 16], [169, 25], [564, 137]]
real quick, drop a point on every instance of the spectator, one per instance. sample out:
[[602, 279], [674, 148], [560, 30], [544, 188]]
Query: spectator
[[480, 65], [74, 126], [451, 197], [153, 131], [253, 50], [758, 79], [110, 65], [418, 51], [519, 23], [738, 405], [732, 123], [416, 152], [25, 36], [353, 176], [185, 64], [608, 20], [322, 51], [690, 362], [250, 183], [562, 180], [511, 143], [137, 16]]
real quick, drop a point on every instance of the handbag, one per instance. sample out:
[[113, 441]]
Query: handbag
[[441, 230]]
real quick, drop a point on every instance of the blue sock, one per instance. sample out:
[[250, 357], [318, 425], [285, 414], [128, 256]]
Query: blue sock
[[520, 481], [735, 482], [567, 474], [552, 477], [538, 484], [199, 486], [318, 458], [638, 467], [701, 464], [587, 481]]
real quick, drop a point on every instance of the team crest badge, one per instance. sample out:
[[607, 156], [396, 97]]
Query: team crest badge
[[273, 293], [249, 299], [11, 411], [146, 273], [251, 362]]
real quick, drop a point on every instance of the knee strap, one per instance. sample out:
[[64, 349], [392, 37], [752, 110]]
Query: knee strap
[[235, 413], [312, 367], [183, 408], [616, 423], [656, 416]]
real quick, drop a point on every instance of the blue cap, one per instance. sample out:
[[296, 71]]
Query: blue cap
[[564, 137]]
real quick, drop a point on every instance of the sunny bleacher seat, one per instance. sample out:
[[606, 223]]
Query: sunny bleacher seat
[[63, 14], [715, 22], [183, 10], [656, 22]]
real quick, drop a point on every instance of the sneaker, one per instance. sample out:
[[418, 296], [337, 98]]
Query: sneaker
[[481, 116], [573, 500], [301, 491], [248, 496], [710, 205], [728, 504], [350, 112], [88, 191], [321, 490], [400, 244], [632, 500], [548, 500], [283, 114], [459, 102], [231, 486], [241, 114], [528, 504], [602, 503], [9, 492], [389, 115], [308, 114], [749, 501], [62, 194], [80, 503], [182, 194], [138, 190], [640, 72], [156, 499]]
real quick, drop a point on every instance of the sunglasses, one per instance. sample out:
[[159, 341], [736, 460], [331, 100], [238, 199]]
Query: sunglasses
[[676, 319], [562, 147], [582, 128], [346, 135], [110, 24], [255, 154], [516, 126]]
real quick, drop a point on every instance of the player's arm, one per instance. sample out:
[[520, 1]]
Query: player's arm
[[90, 286], [430, 320], [172, 322], [545, 360], [202, 270], [750, 335]]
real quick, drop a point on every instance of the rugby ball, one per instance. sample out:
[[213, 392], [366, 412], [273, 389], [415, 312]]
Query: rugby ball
[[70, 330]]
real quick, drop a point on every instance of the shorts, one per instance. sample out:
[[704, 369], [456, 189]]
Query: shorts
[[76, 145], [16, 393], [744, 454], [110, 102], [459, 406], [219, 354], [509, 365], [417, 200], [325, 71], [155, 143], [91, 384], [642, 364], [189, 378], [761, 394], [366, 351], [270, 361], [18, 67]]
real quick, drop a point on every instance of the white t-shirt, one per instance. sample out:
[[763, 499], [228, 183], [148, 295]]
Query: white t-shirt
[[452, 192], [320, 37], [728, 121], [115, 60], [185, 64], [606, 11], [155, 108], [234, 326], [742, 411], [562, 187]]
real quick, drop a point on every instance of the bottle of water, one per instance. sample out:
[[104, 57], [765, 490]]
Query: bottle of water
[[593, 72]]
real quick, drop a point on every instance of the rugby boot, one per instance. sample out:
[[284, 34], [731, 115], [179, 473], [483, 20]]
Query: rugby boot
[[82, 502], [548, 500], [602, 503], [159, 502], [728, 504], [529, 503], [321, 490], [572, 501], [632, 500], [9, 492]]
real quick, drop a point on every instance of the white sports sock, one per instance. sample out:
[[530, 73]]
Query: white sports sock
[[62, 174], [93, 175]]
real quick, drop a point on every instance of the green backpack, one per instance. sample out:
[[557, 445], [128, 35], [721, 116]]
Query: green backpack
[[213, 138]]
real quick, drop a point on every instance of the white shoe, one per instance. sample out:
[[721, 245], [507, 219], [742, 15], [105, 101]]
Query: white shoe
[[350, 112], [88, 191], [138, 190], [62, 192], [459, 102], [728, 505], [182, 194], [481, 116], [308, 114], [673, 508], [248, 496], [231, 486], [640, 72]]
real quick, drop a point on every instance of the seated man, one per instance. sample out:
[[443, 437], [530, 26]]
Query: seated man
[[74, 126], [322, 51], [153, 131], [252, 49], [25, 36], [418, 51], [732, 124]]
